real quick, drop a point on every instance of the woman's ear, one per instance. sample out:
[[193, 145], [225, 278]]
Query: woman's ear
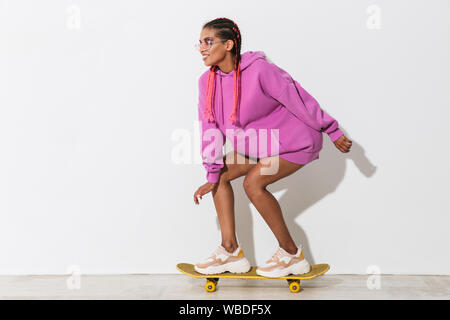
[[230, 45]]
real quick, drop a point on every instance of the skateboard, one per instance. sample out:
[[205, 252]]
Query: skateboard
[[292, 279]]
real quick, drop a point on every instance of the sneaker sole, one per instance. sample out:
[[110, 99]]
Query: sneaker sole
[[297, 268], [240, 266]]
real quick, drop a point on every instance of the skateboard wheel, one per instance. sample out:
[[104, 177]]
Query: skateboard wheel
[[210, 285], [294, 286]]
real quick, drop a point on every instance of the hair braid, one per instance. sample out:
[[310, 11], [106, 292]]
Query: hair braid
[[227, 30]]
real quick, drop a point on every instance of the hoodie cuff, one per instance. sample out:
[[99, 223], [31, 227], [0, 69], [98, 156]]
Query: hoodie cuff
[[213, 177], [335, 135]]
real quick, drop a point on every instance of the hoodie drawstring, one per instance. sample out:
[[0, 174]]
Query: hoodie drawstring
[[208, 105], [209, 93], [235, 94]]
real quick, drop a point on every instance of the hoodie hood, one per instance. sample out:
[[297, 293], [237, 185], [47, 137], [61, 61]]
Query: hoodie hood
[[247, 58]]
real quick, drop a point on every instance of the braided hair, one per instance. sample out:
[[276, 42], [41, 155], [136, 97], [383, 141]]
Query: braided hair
[[227, 29]]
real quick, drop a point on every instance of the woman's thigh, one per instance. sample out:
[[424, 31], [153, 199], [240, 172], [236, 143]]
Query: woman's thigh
[[269, 170], [236, 165]]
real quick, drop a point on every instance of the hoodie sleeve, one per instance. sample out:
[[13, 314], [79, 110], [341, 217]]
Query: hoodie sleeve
[[211, 139], [277, 83]]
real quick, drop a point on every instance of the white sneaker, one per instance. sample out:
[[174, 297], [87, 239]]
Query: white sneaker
[[222, 261], [283, 263]]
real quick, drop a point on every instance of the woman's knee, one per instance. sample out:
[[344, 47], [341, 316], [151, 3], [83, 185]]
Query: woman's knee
[[252, 185], [224, 176], [230, 172]]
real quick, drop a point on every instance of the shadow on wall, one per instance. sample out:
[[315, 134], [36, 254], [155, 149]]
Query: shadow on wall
[[304, 188]]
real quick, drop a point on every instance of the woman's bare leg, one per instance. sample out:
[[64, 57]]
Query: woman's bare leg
[[235, 165], [255, 186]]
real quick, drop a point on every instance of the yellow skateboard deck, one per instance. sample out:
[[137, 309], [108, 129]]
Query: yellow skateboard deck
[[213, 279]]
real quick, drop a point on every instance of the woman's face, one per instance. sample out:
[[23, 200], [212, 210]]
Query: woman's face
[[214, 54]]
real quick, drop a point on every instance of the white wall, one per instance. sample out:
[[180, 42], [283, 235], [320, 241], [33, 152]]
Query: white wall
[[93, 92]]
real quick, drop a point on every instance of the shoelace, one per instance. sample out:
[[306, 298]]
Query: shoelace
[[219, 250], [277, 255]]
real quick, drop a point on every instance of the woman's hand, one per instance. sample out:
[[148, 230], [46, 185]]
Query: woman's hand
[[343, 144], [204, 189]]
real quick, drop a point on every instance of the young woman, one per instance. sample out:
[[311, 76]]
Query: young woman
[[247, 93]]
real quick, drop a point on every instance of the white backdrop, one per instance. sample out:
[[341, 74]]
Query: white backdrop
[[98, 97]]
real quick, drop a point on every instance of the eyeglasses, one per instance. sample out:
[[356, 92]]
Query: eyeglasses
[[208, 43]]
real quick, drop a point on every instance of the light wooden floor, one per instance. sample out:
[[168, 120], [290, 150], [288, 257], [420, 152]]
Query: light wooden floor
[[169, 287]]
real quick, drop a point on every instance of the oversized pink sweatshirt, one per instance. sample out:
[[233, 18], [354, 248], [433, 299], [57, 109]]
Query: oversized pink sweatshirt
[[275, 116]]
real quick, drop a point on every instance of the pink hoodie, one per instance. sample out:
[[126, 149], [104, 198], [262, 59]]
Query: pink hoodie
[[275, 116]]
